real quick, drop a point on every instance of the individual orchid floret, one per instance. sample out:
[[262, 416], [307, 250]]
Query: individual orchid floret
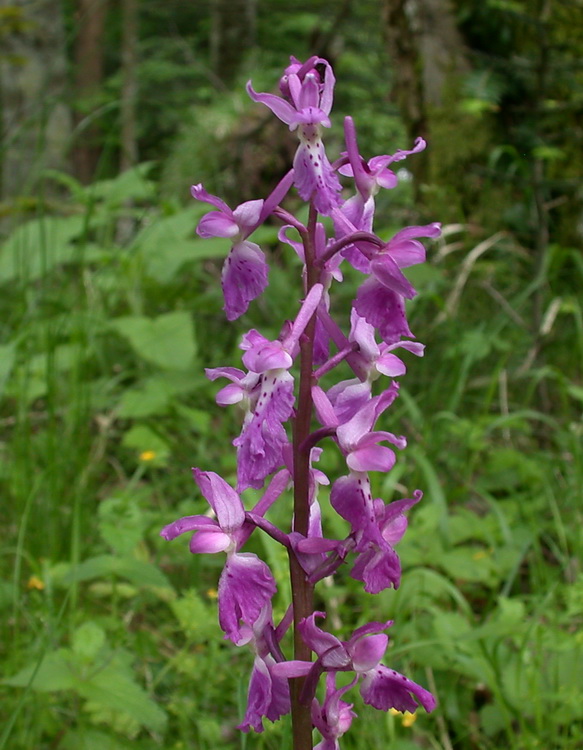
[[369, 361], [381, 299], [360, 445], [263, 438], [306, 107], [244, 274], [246, 584], [242, 390], [381, 687], [268, 695], [369, 177], [378, 359], [375, 528], [334, 717]]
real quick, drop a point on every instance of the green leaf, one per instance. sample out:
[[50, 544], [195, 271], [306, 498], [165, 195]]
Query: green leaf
[[169, 243], [102, 566], [170, 257], [154, 395], [469, 563], [121, 523], [114, 687], [88, 640], [56, 671], [131, 185], [167, 341]]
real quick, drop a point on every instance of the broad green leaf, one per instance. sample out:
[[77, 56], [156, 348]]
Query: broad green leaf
[[131, 185], [88, 640], [154, 395], [6, 594], [57, 671], [143, 573], [114, 687], [171, 256], [121, 523], [137, 571], [167, 341], [469, 563]]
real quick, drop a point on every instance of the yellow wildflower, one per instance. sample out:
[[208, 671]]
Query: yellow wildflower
[[34, 582], [408, 719], [147, 455], [212, 594]]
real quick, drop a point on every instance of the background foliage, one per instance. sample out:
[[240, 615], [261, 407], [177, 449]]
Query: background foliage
[[111, 308]]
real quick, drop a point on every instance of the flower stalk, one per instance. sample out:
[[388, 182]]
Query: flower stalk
[[302, 589]]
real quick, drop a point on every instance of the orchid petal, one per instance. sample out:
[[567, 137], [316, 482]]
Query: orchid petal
[[280, 108], [244, 277], [292, 668], [198, 192], [384, 688], [368, 651], [372, 458], [245, 587], [222, 498], [384, 309], [391, 365], [407, 253], [247, 214], [186, 524], [211, 541], [216, 224], [386, 270]]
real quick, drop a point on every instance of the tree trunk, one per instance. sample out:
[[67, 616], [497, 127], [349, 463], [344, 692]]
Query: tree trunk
[[129, 88], [233, 31], [129, 48], [427, 53], [36, 122], [89, 46]]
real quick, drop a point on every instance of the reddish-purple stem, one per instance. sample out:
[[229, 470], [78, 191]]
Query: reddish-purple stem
[[302, 590]]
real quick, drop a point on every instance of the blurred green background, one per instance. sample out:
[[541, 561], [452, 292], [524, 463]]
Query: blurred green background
[[111, 308]]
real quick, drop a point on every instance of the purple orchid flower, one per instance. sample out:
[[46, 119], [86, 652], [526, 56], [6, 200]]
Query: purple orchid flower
[[369, 361], [334, 717], [268, 694], [263, 438], [360, 444], [381, 687], [369, 177], [379, 360], [306, 107], [246, 584], [375, 528], [242, 390], [380, 300], [244, 274]]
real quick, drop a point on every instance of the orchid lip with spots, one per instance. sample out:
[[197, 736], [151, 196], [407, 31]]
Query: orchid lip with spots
[[292, 409]]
